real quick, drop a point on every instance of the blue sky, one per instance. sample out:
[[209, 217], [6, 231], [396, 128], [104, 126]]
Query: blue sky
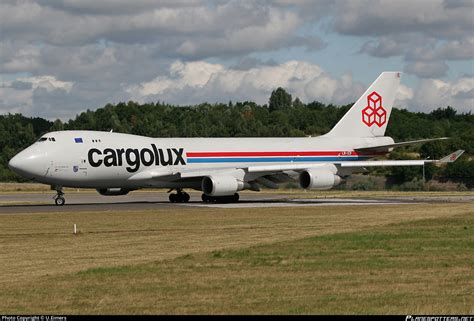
[[61, 57]]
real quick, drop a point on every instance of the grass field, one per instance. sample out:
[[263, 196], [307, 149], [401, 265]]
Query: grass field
[[401, 259]]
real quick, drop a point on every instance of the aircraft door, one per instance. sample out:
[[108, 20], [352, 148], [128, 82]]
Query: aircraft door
[[83, 167], [49, 169]]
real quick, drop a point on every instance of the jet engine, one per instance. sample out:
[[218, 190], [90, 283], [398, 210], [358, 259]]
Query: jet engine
[[318, 179], [221, 185], [113, 191]]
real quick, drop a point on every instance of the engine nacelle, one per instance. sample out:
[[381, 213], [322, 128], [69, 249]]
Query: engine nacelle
[[113, 191], [220, 185], [318, 179]]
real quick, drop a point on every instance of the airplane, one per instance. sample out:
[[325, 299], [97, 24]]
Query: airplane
[[116, 163]]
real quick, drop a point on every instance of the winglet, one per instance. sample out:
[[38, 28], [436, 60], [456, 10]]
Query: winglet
[[452, 157]]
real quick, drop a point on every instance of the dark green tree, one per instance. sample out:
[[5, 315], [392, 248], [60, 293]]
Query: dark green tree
[[446, 113], [57, 126], [279, 100], [297, 103], [248, 119]]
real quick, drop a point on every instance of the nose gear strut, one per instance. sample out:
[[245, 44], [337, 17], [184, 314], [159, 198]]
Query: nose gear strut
[[59, 197]]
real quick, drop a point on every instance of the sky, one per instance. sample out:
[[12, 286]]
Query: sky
[[61, 57]]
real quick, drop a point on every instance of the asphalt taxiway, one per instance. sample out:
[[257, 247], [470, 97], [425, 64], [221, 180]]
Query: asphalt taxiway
[[41, 202]]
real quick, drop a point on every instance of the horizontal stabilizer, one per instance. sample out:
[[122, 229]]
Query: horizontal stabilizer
[[385, 148], [451, 157]]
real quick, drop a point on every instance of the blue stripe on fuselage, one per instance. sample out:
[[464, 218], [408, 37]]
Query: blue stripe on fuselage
[[271, 159]]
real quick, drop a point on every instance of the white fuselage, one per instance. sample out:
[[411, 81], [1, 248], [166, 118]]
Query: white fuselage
[[108, 160]]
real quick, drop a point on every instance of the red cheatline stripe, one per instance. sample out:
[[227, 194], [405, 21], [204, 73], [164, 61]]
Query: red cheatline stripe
[[250, 154]]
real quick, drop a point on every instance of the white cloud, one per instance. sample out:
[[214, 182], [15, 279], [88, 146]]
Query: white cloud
[[83, 54], [404, 95], [434, 93], [384, 47], [18, 57], [192, 82], [199, 81], [14, 101], [187, 29], [425, 33], [181, 75], [113, 6], [427, 69], [19, 95], [430, 17], [47, 82], [457, 49]]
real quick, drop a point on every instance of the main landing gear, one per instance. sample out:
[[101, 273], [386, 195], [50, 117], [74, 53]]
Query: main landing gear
[[220, 199], [179, 197], [183, 197], [59, 198]]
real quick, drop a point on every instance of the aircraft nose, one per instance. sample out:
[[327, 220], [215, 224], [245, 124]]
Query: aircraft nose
[[26, 164], [18, 164]]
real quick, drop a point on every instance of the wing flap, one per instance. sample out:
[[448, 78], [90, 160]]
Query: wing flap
[[285, 167], [447, 159], [383, 163]]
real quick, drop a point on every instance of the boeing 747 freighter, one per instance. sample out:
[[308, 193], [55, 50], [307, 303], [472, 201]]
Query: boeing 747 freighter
[[116, 164]]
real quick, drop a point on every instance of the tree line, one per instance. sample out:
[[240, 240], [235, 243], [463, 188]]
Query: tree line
[[282, 116]]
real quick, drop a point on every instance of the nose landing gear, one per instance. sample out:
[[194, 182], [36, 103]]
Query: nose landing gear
[[59, 198]]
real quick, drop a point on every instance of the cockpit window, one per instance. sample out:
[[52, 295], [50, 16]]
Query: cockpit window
[[43, 139]]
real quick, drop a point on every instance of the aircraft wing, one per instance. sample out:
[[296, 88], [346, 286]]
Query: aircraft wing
[[385, 148], [276, 168], [447, 159], [280, 171]]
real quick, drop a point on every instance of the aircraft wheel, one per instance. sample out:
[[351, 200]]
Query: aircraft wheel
[[185, 197], [173, 198], [205, 198], [235, 197], [223, 199], [60, 201]]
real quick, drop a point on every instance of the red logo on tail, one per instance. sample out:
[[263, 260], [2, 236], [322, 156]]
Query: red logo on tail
[[374, 113]]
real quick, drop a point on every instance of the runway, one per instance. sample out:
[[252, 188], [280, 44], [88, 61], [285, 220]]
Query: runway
[[89, 201]]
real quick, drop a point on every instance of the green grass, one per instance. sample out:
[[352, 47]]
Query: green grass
[[416, 267]]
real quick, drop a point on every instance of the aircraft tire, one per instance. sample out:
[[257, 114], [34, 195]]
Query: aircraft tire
[[205, 198], [220, 199], [60, 201], [185, 197], [173, 198]]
